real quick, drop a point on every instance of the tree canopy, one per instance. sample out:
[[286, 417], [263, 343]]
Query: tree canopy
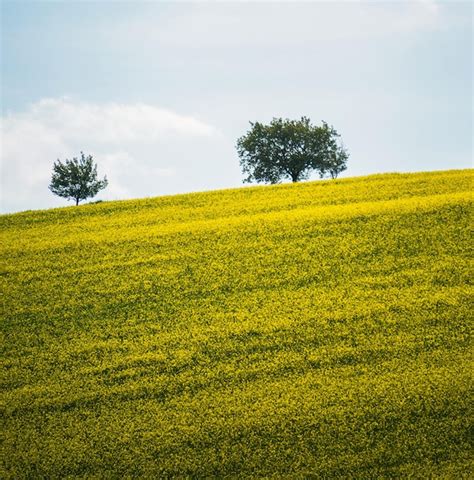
[[290, 149], [76, 179]]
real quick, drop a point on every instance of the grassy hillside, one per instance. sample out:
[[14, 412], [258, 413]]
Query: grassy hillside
[[317, 330]]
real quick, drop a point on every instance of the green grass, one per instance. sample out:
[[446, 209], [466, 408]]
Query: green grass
[[317, 330]]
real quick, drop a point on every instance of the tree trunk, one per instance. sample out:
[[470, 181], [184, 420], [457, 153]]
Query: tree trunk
[[77, 202]]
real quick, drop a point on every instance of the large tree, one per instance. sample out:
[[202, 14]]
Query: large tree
[[76, 179], [290, 149]]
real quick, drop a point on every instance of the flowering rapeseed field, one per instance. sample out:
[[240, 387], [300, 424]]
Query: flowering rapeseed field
[[316, 330]]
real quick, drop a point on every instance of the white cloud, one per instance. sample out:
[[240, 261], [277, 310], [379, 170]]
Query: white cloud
[[136, 145], [112, 122]]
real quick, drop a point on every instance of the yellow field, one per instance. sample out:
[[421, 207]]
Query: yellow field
[[316, 330]]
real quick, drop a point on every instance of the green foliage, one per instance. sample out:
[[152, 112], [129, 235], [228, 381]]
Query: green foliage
[[315, 330], [76, 179], [290, 149]]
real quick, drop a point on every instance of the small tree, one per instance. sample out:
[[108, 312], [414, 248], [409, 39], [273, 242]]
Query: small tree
[[76, 179], [290, 149], [336, 161]]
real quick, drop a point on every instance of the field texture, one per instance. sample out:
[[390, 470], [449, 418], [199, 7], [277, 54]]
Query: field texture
[[317, 330]]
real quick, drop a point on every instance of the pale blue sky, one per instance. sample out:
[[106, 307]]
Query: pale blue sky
[[159, 92]]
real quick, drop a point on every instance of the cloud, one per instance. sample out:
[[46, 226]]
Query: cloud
[[112, 122], [136, 145]]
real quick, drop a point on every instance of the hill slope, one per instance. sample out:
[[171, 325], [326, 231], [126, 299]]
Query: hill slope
[[310, 330]]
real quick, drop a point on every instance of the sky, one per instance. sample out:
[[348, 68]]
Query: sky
[[159, 92]]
